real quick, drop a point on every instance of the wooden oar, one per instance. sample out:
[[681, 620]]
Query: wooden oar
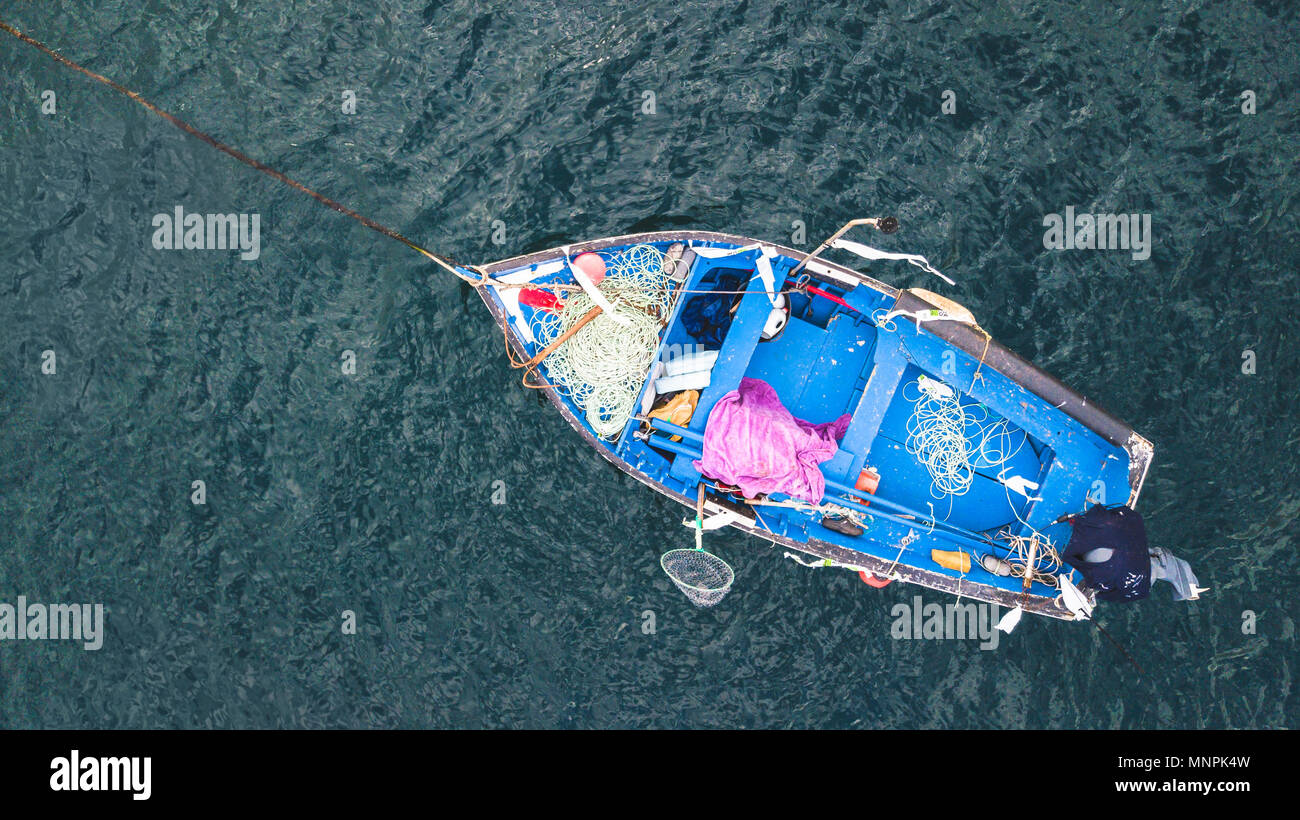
[[850, 499], [564, 337]]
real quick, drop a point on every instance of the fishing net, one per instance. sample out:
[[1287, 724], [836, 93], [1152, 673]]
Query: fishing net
[[702, 577], [603, 366]]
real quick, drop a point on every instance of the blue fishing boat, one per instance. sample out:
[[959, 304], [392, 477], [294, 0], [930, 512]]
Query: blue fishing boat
[[953, 463]]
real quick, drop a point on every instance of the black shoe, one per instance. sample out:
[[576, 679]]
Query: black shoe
[[842, 525]]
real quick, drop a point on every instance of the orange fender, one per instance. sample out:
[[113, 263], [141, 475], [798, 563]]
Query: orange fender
[[874, 581]]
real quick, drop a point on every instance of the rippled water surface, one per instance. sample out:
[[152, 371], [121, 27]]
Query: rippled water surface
[[372, 493]]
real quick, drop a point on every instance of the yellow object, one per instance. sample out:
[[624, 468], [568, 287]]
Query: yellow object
[[678, 410], [959, 561]]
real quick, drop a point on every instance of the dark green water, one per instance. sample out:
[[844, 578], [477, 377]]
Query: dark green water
[[373, 492]]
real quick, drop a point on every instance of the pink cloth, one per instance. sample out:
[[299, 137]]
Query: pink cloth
[[751, 441]]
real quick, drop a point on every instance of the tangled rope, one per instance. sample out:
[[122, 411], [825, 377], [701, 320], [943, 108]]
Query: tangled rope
[[603, 366], [937, 437], [1047, 561]]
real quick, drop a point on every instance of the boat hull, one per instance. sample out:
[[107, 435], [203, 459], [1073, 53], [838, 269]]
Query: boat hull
[[964, 337]]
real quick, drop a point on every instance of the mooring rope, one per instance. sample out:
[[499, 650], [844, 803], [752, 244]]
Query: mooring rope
[[244, 158]]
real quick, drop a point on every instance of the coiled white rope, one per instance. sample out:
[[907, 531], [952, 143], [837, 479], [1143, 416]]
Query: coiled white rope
[[937, 437]]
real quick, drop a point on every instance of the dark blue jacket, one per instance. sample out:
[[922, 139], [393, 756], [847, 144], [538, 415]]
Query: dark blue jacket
[[1126, 575]]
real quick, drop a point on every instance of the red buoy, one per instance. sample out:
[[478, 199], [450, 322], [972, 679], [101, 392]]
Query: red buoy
[[868, 481]]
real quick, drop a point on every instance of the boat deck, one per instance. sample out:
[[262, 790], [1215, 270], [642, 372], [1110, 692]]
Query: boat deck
[[831, 359]]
